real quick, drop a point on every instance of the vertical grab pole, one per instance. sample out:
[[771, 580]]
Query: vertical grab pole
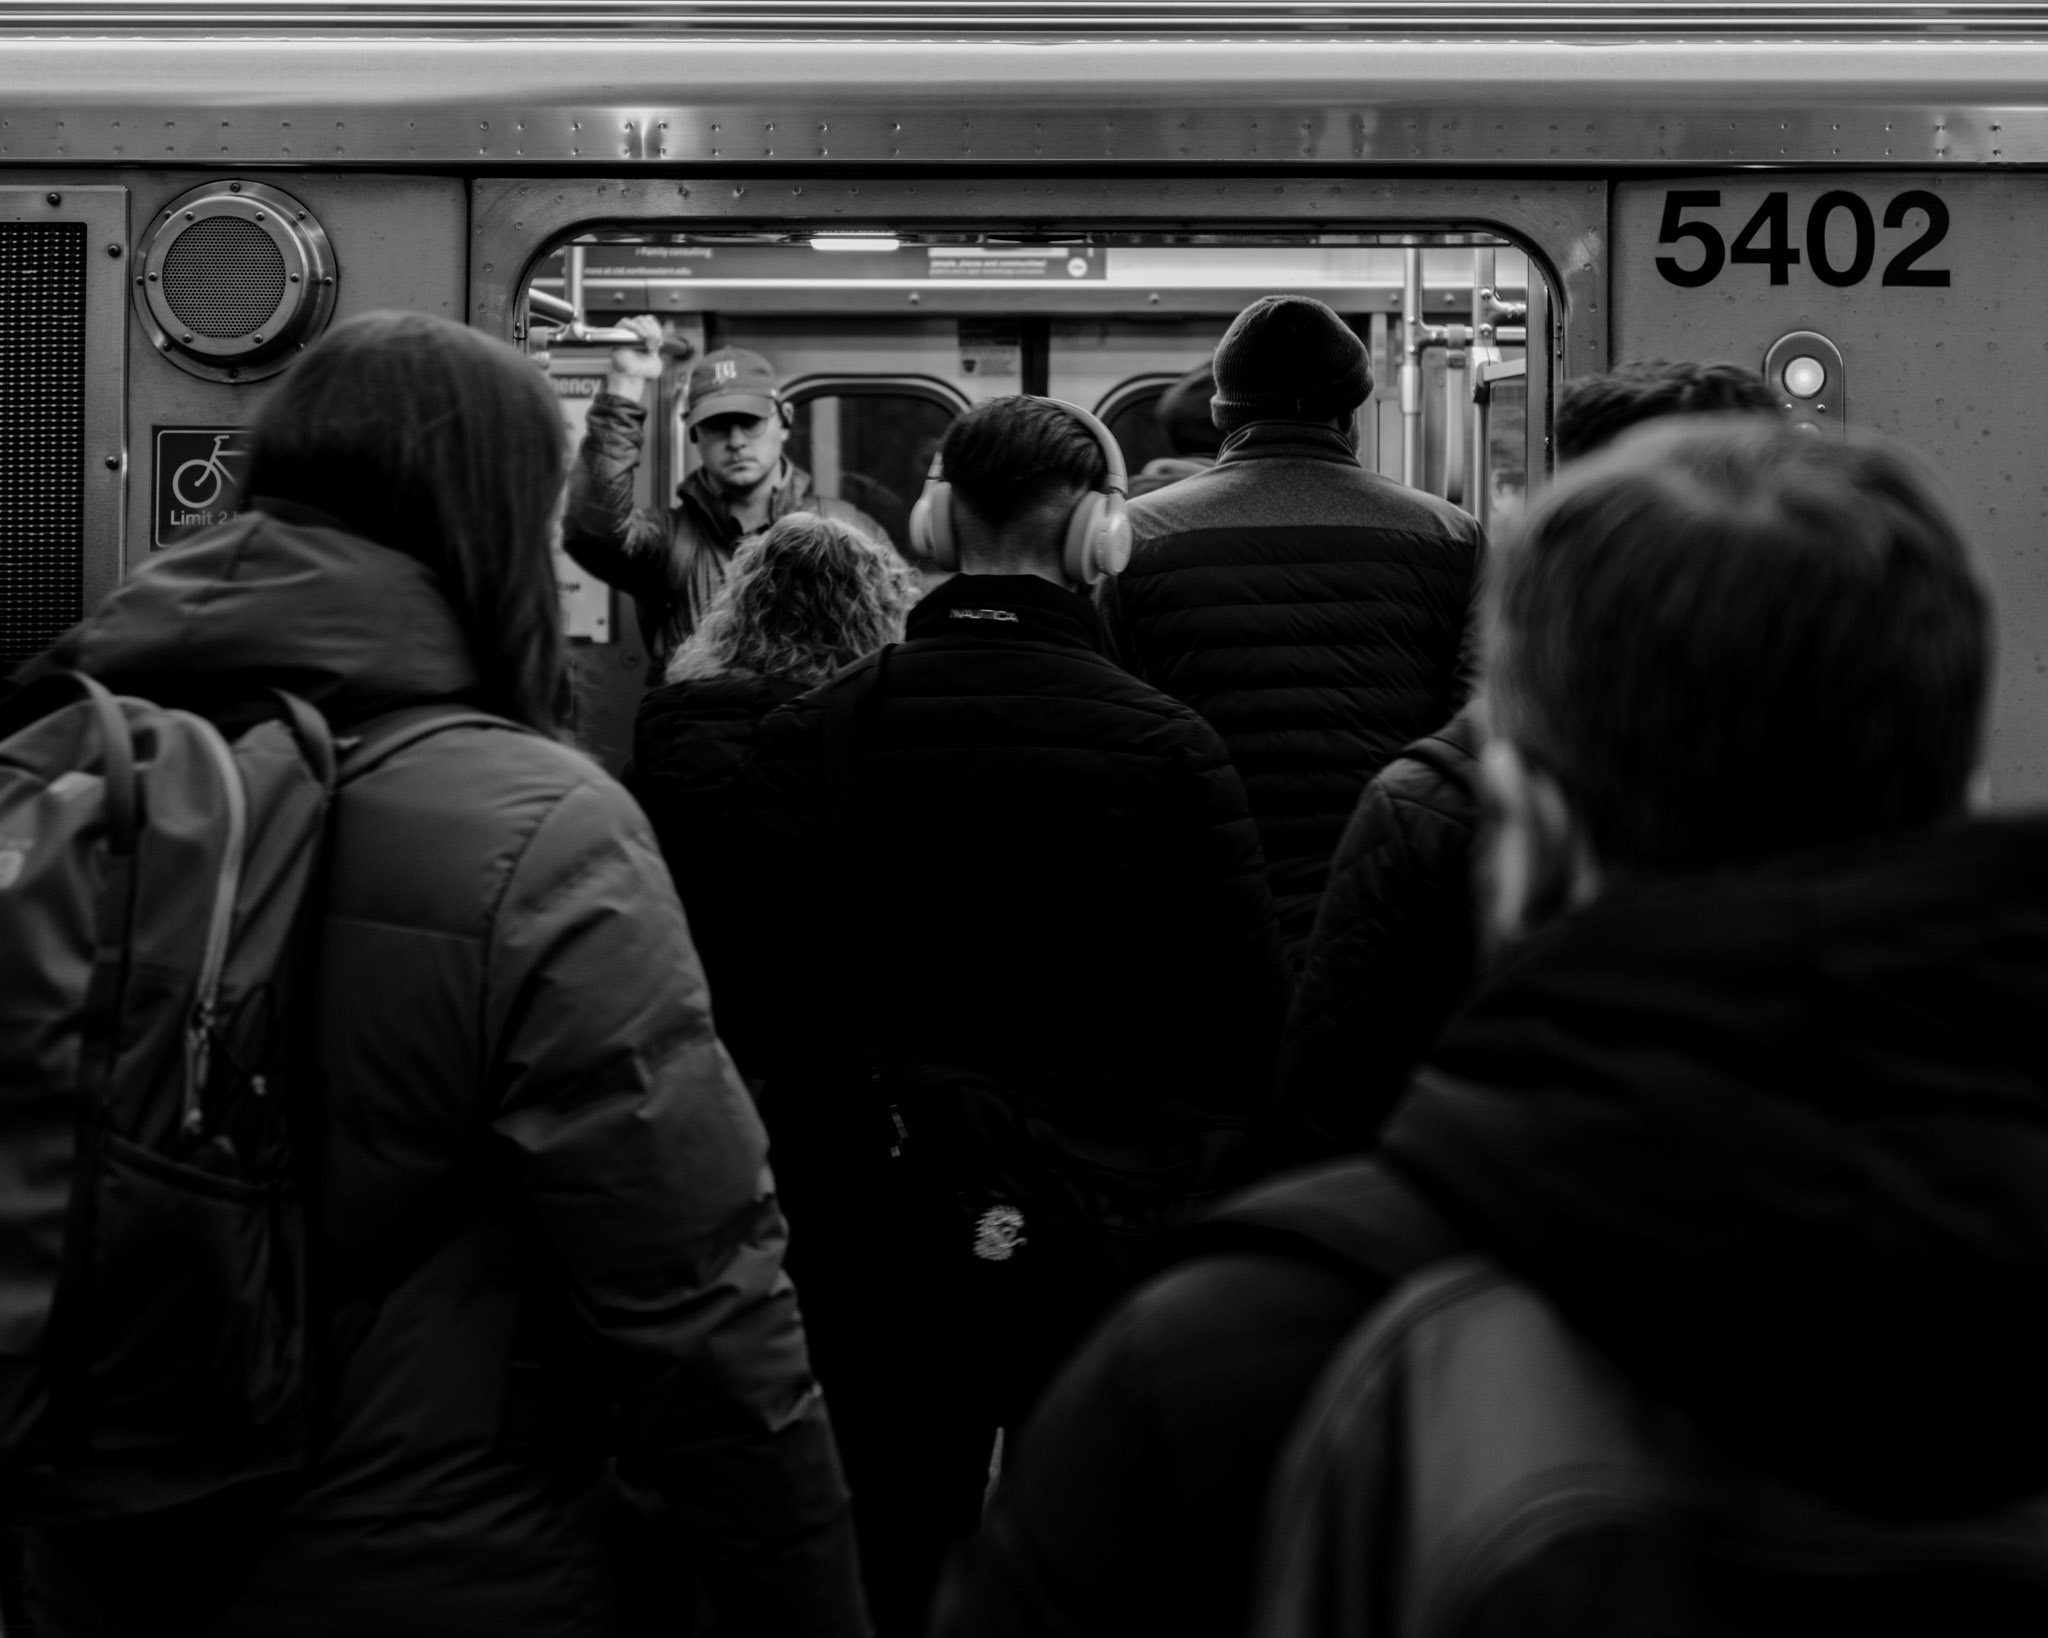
[[1478, 456], [1411, 369]]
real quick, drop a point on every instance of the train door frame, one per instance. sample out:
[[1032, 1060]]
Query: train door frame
[[1562, 223]]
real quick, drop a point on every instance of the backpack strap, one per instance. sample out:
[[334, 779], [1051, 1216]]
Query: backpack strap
[[47, 693], [1358, 1217], [1443, 759]]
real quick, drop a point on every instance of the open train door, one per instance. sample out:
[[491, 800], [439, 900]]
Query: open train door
[[1051, 284]]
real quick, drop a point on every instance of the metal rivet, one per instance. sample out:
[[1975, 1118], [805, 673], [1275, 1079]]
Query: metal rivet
[[152, 279], [185, 338], [113, 250], [113, 463], [53, 198], [259, 216], [234, 187], [295, 278]]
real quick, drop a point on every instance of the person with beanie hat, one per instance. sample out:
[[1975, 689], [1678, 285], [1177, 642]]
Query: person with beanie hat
[[1316, 613], [1183, 416]]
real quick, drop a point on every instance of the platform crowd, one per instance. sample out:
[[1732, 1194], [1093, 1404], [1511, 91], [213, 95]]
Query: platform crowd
[[1239, 1061]]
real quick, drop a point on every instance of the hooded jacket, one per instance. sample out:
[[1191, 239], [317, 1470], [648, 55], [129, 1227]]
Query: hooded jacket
[[1775, 1142], [550, 1239], [1315, 613], [669, 560]]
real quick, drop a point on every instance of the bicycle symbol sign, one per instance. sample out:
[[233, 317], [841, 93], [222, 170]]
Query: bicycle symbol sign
[[198, 480]]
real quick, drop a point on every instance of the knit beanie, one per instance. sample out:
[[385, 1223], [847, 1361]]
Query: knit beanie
[[1288, 358]]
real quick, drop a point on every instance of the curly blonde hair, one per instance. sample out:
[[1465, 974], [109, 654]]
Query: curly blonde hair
[[807, 595]]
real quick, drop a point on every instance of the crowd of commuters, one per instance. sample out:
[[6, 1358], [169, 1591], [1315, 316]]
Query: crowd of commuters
[[1149, 958]]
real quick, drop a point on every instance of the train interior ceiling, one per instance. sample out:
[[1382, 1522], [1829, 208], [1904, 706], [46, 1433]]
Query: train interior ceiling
[[881, 339]]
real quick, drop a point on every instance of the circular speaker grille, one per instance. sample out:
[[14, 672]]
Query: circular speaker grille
[[224, 277]]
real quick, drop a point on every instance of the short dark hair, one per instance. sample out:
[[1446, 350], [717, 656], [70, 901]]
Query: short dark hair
[[1728, 638], [1596, 409], [1008, 455], [435, 440]]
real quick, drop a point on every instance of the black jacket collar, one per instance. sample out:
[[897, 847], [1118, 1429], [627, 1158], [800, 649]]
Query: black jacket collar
[[1287, 440], [1007, 608]]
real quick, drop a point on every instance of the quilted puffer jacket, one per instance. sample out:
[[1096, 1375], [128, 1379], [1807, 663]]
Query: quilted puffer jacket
[[1315, 613], [1395, 947], [566, 1372]]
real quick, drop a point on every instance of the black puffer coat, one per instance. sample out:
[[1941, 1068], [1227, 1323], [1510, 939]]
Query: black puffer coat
[[532, 1149], [690, 742], [1315, 613], [1070, 885], [1395, 947]]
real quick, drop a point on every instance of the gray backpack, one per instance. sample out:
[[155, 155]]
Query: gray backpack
[[1469, 1466], [159, 881]]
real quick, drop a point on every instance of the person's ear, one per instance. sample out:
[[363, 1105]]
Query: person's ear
[[1535, 862], [786, 414]]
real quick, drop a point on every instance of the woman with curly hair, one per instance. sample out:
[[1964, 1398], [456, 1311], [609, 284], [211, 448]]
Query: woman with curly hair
[[804, 597]]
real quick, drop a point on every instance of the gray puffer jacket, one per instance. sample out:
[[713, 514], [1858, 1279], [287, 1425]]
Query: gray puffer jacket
[[1315, 613], [552, 1274]]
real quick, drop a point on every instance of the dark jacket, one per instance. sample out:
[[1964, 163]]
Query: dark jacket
[[531, 1150], [1315, 613], [1775, 1142], [691, 740], [1067, 887], [1395, 948], [670, 560]]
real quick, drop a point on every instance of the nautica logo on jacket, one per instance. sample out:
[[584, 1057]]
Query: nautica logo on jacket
[[984, 614]]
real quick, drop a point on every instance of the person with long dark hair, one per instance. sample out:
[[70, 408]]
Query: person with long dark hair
[[564, 1384], [808, 595]]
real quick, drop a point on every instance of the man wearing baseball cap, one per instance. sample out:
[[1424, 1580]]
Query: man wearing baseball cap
[[1313, 611], [672, 559]]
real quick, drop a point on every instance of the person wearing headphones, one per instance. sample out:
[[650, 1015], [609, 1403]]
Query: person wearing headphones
[[1000, 880], [671, 560]]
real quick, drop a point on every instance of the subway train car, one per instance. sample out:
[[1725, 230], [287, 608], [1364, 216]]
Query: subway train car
[[910, 206]]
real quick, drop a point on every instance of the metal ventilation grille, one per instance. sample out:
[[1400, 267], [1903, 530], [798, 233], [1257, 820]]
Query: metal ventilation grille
[[224, 278], [42, 435]]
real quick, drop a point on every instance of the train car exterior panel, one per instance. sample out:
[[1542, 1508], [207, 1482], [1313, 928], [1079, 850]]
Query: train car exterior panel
[[483, 102], [1951, 363]]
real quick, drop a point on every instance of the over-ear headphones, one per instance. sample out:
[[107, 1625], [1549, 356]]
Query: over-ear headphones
[[1098, 538]]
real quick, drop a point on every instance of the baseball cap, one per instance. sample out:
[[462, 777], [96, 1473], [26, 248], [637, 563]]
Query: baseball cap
[[731, 381]]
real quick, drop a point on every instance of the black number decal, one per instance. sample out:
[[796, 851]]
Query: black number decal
[[1772, 217], [1712, 253], [1900, 269], [1817, 238]]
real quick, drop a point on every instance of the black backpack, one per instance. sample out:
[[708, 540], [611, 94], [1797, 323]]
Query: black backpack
[[159, 879]]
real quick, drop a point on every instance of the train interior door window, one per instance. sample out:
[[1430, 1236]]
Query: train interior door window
[[880, 340]]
